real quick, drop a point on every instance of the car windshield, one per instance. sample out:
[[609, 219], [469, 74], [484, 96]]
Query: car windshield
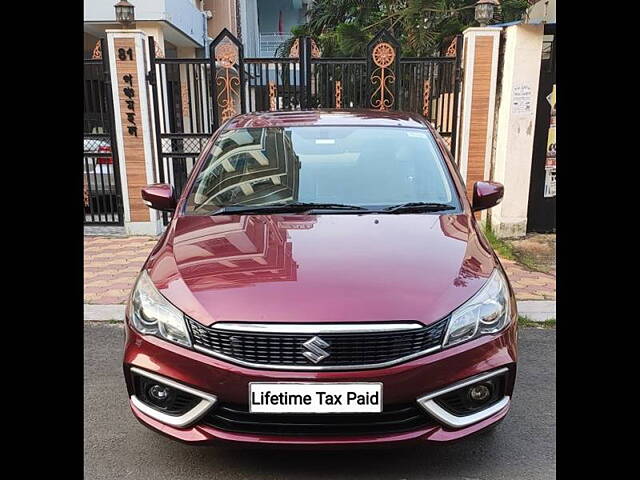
[[372, 167]]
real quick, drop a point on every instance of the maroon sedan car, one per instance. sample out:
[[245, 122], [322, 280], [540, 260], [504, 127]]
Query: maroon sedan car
[[323, 281]]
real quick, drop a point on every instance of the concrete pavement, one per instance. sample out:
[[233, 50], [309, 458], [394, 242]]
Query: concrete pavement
[[537, 310]]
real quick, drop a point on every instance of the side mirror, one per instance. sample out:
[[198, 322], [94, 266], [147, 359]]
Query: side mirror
[[159, 196], [486, 195]]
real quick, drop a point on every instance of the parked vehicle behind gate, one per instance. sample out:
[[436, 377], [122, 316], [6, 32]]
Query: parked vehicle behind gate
[[101, 185], [323, 281], [99, 173], [99, 169]]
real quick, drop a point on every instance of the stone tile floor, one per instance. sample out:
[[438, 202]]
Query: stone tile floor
[[111, 264], [530, 285]]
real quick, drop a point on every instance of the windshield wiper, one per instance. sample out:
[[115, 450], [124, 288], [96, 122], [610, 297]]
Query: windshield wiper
[[419, 207], [285, 208]]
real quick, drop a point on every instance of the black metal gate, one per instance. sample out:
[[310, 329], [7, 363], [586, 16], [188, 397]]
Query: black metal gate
[[101, 190], [183, 101], [192, 97], [541, 213]]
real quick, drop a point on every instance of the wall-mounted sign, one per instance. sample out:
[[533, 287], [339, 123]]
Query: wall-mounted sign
[[127, 75], [130, 93], [522, 100]]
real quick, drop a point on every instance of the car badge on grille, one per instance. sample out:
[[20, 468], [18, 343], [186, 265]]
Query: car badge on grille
[[314, 349]]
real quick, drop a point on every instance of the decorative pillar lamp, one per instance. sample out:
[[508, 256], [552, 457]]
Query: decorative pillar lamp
[[125, 15], [484, 11]]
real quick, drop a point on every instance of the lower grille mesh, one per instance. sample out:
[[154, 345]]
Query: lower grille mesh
[[399, 418], [345, 349]]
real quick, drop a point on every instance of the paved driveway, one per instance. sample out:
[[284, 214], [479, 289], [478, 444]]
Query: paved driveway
[[117, 446]]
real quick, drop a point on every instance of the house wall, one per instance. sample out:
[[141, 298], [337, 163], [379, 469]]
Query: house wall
[[269, 15], [154, 29], [249, 34], [184, 15], [542, 11], [224, 16]]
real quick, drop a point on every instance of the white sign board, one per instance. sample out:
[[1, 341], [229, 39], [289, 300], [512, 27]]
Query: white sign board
[[317, 397], [522, 100]]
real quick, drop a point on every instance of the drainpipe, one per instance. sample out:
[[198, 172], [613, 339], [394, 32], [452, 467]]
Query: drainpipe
[[204, 34]]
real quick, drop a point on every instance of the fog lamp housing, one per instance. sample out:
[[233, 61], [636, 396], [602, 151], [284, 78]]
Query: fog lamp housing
[[159, 393], [479, 393], [474, 397], [163, 397], [468, 401], [168, 401]]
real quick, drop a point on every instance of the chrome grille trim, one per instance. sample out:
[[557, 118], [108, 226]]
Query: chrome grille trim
[[317, 328], [353, 346]]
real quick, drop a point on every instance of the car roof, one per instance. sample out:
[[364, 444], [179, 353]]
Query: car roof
[[327, 117]]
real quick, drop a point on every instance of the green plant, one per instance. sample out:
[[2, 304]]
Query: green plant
[[285, 47], [423, 27], [524, 321], [506, 250], [502, 248]]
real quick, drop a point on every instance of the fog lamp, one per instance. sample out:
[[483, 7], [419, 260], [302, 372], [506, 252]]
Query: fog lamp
[[159, 393], [480, 392]]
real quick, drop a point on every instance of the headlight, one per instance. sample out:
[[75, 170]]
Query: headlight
[[152, 314], [487, 312]]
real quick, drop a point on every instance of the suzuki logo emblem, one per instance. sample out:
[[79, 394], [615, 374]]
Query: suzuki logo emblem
[[314, 349]]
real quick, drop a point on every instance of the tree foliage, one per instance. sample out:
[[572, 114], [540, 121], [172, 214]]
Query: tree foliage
[[423, 27]]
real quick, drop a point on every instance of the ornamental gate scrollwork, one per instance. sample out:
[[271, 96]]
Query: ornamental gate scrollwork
[[294, 51], [383, 68], [227, 72]]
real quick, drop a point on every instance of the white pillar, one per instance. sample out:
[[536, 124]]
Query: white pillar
[[515, 127], [128, 65]]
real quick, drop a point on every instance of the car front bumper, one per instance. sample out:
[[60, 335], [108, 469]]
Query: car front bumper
[[404, 383]]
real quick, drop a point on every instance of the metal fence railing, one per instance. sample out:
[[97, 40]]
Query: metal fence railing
[[102, 196]]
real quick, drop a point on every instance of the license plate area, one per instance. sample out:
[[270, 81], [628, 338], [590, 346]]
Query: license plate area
[[315, 397]]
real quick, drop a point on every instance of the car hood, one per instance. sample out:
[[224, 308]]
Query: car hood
[[320, 268]]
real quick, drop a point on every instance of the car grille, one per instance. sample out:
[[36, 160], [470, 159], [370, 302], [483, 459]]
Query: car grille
[[346, 350], [394, 419]]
